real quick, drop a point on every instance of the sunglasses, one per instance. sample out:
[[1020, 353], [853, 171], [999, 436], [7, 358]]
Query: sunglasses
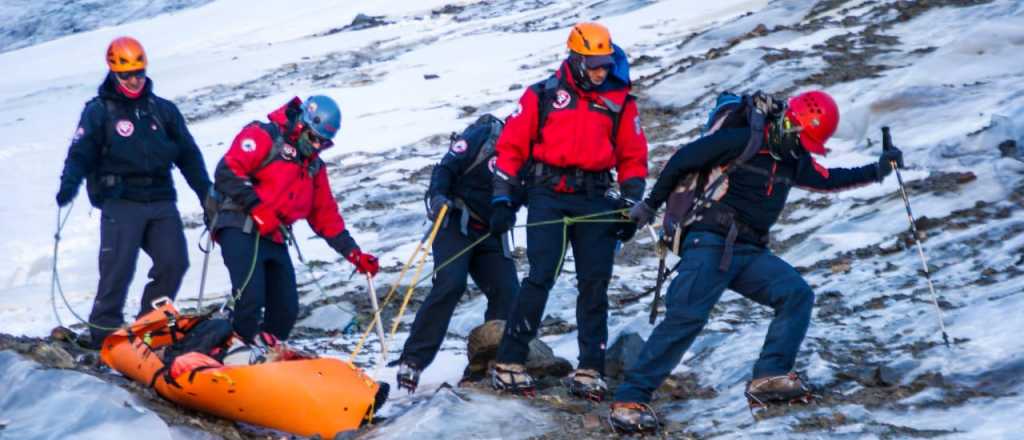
[[125, 76]]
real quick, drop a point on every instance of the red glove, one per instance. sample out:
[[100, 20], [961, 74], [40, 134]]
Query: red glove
[[365, 263], [266, 218]]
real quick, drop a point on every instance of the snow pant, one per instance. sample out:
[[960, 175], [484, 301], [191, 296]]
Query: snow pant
[[269, 290], [492, 272], [126, 227], [755, 273], [593, 247]]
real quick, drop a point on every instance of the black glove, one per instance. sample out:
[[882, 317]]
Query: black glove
[[641, 214], [434, 205], [503, 218], [886, 159], [625, 231], [633, 190], [66, 193]]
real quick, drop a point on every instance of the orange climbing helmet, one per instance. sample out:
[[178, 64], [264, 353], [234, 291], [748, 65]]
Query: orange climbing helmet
[[125, 54], [590, 39], [593, 42]]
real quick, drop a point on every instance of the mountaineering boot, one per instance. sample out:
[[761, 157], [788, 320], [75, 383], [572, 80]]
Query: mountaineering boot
[[587, 384], [788, 388], [633, 418], [512, 378], [408, 377]]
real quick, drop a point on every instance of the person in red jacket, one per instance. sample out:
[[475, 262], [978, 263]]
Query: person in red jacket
[[271, 177], [574, 128]]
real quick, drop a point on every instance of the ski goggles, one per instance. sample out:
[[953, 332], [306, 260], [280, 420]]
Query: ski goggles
[[125, 76], [598, 61]]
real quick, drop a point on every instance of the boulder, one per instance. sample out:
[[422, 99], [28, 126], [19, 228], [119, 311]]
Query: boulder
[[482, 347], [623, 352]]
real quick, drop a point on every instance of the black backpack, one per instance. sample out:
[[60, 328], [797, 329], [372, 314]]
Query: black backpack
[[488, 122], [697, 191]]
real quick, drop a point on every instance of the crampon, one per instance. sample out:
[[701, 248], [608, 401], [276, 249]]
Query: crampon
[[408, 377], [586, 384], [777, 391], [633, 418], [512, 378]]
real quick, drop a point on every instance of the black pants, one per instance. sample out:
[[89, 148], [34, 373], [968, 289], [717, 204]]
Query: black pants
[[126, 227], [270, 293], [492, 272], [593, 247]]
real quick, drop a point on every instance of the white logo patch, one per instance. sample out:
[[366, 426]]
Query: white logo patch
[[78, 135], [562, 99], [460, 146], [248, 145], [125, 128], [492, 164], [288, 152], [636, 123], [518, 111]]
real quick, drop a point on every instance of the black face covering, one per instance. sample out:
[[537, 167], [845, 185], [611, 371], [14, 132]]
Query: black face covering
[[305, 145], [784, 143], [578, 68]]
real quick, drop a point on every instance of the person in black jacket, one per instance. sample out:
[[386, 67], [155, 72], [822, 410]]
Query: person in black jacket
[[463, 181], [127, 141], [726, 247]]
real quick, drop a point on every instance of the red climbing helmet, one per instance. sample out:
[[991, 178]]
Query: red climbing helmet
[[818, 116]]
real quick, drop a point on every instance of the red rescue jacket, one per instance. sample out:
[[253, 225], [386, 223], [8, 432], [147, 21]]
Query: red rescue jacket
[[296, 187], [577, 132]]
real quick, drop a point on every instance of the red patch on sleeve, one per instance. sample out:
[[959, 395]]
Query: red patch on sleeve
[[820, 168]]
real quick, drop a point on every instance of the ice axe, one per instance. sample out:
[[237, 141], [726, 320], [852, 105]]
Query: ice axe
[[662, 252], [887, 145]]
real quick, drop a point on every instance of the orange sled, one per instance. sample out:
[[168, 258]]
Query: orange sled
[[305, 397]]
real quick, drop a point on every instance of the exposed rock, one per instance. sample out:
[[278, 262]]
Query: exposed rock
[[482, 347], [1008, 148], [623, 352], [53, 356]]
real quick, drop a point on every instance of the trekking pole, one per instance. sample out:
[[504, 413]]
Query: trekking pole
[[422, 246], [206, 264], [376, 317], [419, 270], [887, 145]]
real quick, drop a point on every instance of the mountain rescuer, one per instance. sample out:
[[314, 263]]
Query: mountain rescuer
[[463, 181], [126, 143], [725, 247], [270, 177], [572, 130]]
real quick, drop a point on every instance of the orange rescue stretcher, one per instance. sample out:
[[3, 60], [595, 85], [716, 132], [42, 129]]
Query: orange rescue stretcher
[[306, 397]]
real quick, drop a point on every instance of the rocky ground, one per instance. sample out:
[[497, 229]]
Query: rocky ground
[[857, 371]]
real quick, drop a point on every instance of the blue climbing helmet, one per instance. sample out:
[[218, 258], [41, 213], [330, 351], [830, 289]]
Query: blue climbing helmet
[[321, 115]]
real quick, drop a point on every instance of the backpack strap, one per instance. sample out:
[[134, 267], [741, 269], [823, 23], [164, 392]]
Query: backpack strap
[[275, 147], [545, 98], [271, 128], [487, 149], [618, 111]]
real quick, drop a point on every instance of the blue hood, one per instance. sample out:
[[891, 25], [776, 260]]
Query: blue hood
[[618, 77]]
